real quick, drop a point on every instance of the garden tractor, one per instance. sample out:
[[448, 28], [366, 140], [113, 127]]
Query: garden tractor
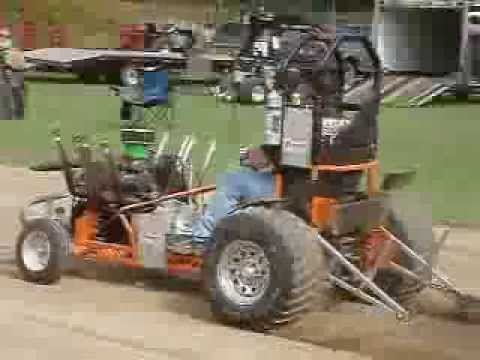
[[274, 259]]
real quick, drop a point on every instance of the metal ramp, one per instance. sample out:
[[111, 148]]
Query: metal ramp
[[394, 86], [443, 89], [413, 90], [412, 87], [428, 95], [419, 91], [391, 84]]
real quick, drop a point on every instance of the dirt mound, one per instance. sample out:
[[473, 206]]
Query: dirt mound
[[357, 328]]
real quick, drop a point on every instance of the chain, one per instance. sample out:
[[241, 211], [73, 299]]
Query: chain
[[461, 296], [443, 288], [467, 305]]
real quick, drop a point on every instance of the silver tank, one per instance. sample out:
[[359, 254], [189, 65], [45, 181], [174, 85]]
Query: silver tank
[[474, 45]]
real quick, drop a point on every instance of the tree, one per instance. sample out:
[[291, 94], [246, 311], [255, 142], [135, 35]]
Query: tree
[[12, 9], [227, 10]]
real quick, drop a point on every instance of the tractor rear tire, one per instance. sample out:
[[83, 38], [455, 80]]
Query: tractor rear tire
[[286, 249], [54, 237]]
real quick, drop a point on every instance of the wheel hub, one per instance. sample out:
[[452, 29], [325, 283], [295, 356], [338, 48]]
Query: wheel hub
[[248, 271], [243, 272], [36, 251]]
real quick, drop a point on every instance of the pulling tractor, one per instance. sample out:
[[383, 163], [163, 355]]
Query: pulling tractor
[[273, 259]]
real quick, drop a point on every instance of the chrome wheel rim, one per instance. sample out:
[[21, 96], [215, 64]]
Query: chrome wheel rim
[[36, 251], [243, 272]]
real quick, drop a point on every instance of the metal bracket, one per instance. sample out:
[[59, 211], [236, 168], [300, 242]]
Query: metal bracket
[[162, 145], [206, 163], [186, 140], [358, 292], [258, 202], [437, 274], [440, 241], [386, 302]]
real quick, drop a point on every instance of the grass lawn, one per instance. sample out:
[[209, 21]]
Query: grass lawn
[[441, 140]]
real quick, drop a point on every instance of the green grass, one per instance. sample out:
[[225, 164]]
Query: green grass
[[90, 109], [441, 140]]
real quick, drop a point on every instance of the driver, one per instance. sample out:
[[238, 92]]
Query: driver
[[252, 182], [258, 181]]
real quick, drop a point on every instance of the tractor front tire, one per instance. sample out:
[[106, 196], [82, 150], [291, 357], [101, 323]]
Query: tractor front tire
[[265, 269], [41, 251]]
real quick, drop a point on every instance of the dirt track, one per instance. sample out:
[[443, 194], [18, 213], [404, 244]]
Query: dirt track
[[86, 316]]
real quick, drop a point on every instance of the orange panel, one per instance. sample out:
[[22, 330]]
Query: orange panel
[[178, 263], [378, 250], [101, 252], [322, 211], [110, 254], [279, 185], [85, 229], [87, 247], [346, 168]]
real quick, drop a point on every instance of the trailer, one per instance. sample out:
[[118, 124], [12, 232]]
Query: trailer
[[439, 60], [92, 64]]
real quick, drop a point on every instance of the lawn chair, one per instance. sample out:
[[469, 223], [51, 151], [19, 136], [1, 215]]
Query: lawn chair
[[145, 105]]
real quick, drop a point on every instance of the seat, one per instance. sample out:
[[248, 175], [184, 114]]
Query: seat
[[144, 106], [156, 93]]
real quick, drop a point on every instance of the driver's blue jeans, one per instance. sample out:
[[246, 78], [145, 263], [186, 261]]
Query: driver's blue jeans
[[232, 188]]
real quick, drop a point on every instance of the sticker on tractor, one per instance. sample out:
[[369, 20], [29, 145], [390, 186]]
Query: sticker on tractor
[[297, 138], [296, 146], [331, 127], [261, 47]]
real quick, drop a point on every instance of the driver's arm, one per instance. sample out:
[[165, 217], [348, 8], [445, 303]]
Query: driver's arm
[[262, 157]]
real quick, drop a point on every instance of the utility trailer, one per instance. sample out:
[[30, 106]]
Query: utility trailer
[[91, 64], [446, 57]]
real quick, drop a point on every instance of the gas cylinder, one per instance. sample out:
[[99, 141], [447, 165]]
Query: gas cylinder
[[273, 117]]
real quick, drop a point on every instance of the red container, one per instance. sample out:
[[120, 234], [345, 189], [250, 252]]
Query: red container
[[29, 35], [57, 36], [26, 32], [132, 36], [125, 40]]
